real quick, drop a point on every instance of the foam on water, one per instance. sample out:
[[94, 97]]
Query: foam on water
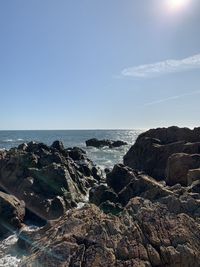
[[7, 256]]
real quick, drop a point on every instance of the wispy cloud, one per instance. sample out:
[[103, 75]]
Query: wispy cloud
[[159, 101], [163, 67]]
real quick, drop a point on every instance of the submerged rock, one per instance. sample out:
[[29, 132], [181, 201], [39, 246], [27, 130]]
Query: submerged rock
[[105, 142]]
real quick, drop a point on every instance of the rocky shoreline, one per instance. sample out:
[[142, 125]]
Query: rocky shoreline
[[145, 212]]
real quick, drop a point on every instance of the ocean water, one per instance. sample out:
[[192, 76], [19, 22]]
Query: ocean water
[[103, 157]]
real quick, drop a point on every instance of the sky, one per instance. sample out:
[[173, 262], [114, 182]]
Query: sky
[[99, 64]]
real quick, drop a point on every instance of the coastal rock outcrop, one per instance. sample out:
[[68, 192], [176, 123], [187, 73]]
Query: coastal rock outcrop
[[50, 179], [124, 183], [152, 149], [143, 234], [144, 216], [105, 142]]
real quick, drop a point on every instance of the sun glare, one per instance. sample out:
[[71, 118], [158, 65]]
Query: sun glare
[[177, 4]]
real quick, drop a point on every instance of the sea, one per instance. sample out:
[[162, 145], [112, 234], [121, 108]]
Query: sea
[[104, 158]]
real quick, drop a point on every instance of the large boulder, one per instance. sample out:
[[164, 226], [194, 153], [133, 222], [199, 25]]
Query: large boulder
[[152, 149], [178, 167], [119, 177], [173, 134], [128, 183], [105, 142], [12, 212], [50, 179]]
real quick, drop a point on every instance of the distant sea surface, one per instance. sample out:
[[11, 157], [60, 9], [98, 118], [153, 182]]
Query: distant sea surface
[[103, 157]]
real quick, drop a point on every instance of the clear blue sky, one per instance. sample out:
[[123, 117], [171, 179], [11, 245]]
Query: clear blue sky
[[74, 64]]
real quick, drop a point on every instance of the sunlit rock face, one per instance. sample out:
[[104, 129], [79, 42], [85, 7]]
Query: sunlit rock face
[[144, 234], [152, 149]]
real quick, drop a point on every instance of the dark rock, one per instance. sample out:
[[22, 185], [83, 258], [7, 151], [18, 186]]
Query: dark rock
[[36, 147], [23, 146], [46, 178], [76, 153], [105, 142], [119, 177], [58, 145], [173, 134], [98, 143], [107, 170], [118, 143], [110, 207], [127, 183], [143, 186], [12, 212], [102, 193]]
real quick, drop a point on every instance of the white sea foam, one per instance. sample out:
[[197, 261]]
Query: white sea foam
[[8, 140], [8, 255], [7, 259]]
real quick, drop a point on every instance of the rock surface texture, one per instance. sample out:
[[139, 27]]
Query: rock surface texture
[[146, 213], [144, 234], [50, 180], [152, 149]]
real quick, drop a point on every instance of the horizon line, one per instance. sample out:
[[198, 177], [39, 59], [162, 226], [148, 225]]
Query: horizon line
[[84, 129]]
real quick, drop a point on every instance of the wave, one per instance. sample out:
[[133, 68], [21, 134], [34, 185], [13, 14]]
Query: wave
[[12, 140]]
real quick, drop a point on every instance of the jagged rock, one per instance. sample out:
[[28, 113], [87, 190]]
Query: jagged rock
[[12, 212], [152, 149], [76, 153], [144, 234], [58, 145], [143, 186], [119, 177], [178, 167], [105, 142], [128, 183], [102, 193], [173, 134], [43, 174]]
